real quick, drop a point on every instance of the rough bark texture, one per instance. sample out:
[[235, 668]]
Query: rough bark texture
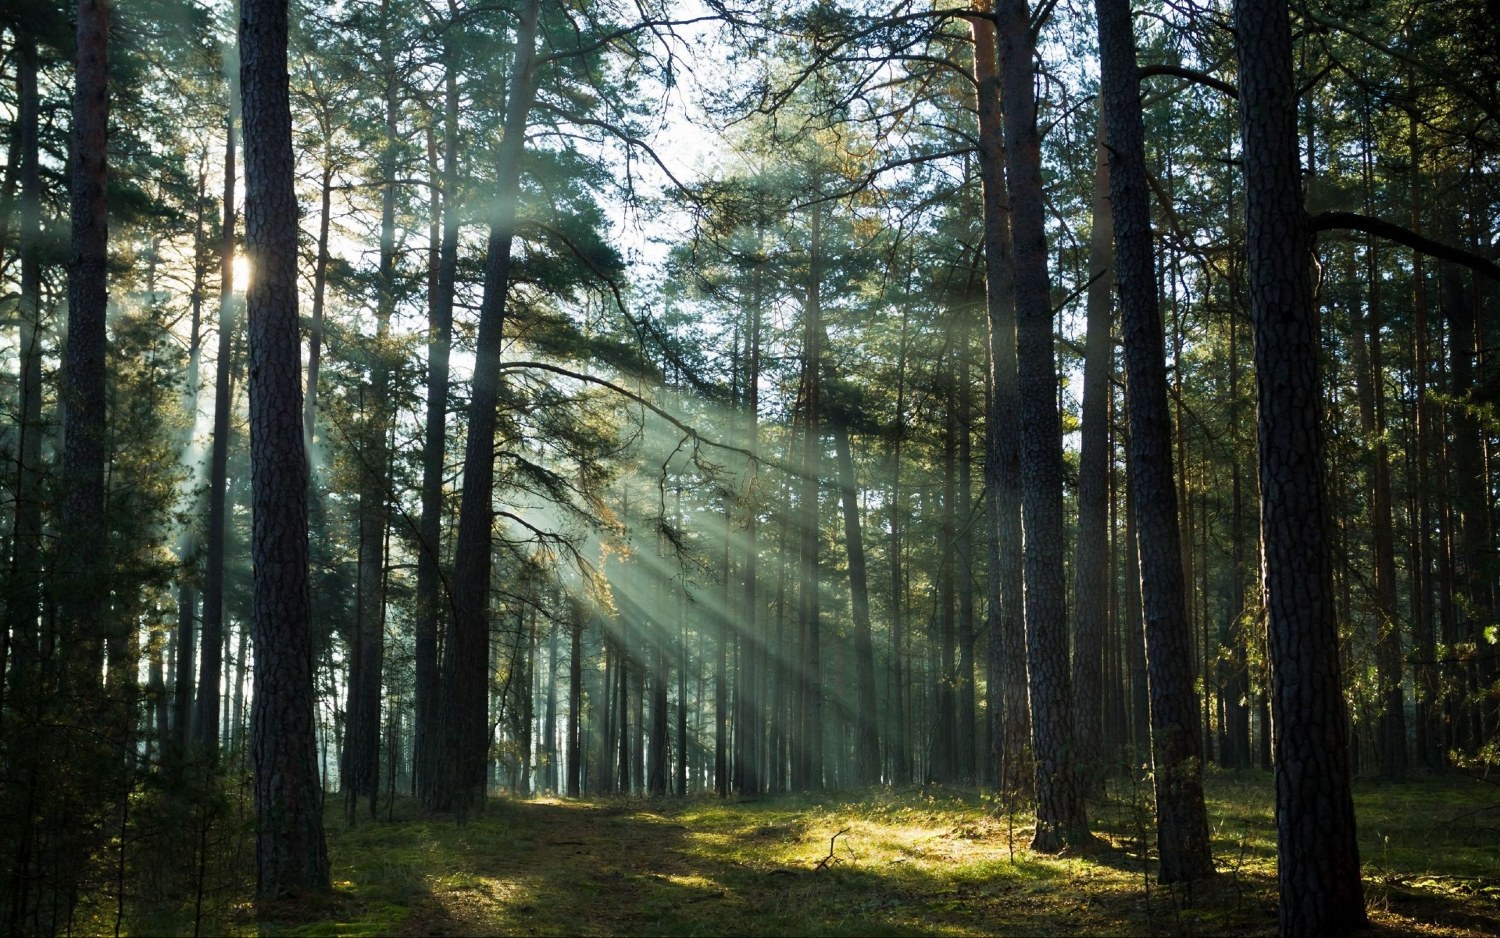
[[291, 857], [465, 716], [1010, 714], [1060, 812], [1176, 733], [1318, 858]]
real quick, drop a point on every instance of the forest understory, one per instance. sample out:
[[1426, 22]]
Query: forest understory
[[943, 861]]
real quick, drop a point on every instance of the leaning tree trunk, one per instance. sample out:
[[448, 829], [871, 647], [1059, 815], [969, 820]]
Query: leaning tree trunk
[[1318, 857], [459, 785], [1176, 735], [291, 856], [1060, 810]]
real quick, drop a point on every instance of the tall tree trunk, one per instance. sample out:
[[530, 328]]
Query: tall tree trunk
[[291, 856], [866, 728], [1091, 560], [206, 717], [1318, 857], [361, 776], [1009, 707], [575, 697], [1429, 694], [1471, 504], [83, 536], [1061, 819], [943, 627], [1237, 634], [964, 560], [431, 604], [187, 546], [1369, 380], [1176, 735], [460, 783]]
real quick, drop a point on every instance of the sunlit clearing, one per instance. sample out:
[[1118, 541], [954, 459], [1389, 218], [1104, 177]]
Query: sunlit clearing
[[241, 272]]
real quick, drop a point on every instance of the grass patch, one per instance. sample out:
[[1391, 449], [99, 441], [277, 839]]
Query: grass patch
[[878, 863]]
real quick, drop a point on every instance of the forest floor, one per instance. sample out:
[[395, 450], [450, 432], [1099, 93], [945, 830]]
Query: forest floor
[[935, 862]]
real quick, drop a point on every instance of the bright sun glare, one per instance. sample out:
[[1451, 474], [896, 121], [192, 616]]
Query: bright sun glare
[[241, 272]]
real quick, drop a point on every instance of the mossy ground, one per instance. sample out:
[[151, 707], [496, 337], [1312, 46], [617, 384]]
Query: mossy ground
[[928, 863]]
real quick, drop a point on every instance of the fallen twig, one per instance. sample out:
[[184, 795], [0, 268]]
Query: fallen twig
[[823, 863]]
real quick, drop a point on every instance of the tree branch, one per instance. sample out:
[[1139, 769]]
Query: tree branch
[[1193, 75], [1334, 221]]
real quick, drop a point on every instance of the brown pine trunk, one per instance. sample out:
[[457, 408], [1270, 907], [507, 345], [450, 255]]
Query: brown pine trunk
[[291, 856], [1010, 713], [1318, 857], [1061, 820], [1176, 735], [431, 605], [461, 779], [83, 565]]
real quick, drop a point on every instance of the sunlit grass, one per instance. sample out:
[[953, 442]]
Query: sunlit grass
[[941, 863]]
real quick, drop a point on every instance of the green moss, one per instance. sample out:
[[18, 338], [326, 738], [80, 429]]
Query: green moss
[[910, 864]]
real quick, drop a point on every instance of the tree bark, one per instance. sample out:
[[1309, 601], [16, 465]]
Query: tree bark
[[83, 536], [1061, 820], [291, 856], [1091, 559], [1318, 857], [1176, 731], [1009, 709], [460, 783]]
